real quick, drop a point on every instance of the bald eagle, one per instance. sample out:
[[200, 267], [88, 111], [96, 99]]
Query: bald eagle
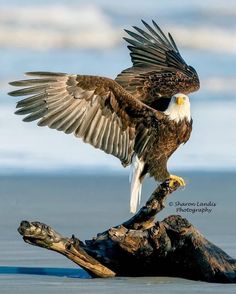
[[141, 117]]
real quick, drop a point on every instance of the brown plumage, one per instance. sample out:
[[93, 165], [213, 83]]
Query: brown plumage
[[158, 70], [109, 117]]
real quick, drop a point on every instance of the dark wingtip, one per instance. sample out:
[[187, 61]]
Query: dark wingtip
[[45, 73], [11, 83], [144, 22], [13, 93], [18, 112], [128, 40], [35, 73], [173, 42], [127, 31], [19, 83], [154, 23]]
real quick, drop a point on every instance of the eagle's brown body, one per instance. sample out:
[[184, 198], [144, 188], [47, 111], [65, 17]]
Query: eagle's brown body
[[172, 136], [120, 117]]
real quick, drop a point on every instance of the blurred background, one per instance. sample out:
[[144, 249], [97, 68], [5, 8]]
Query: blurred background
[[86, 37]]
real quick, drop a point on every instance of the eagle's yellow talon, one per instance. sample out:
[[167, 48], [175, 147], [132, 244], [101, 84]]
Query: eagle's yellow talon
[[174, 179]]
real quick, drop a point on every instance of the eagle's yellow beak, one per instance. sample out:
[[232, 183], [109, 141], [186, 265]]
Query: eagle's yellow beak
[[179, 100]]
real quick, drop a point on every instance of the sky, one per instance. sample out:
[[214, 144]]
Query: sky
[[86, 37]]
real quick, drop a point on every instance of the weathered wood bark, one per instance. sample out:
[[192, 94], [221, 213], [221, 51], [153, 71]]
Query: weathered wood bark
[[141, 246]]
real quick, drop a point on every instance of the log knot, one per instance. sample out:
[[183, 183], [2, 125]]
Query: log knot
[[177, 223]]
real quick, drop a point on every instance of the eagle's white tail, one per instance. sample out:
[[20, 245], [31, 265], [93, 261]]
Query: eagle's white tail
[[136, 184]]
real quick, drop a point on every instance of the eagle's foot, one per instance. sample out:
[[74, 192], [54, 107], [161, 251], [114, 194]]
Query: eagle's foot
[[173, 179]]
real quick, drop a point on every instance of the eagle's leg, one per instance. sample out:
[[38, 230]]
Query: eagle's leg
[[145, 217], [173, 179]]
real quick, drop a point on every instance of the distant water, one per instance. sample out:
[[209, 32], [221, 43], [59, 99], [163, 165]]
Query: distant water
[[84, 206], [87, 38]]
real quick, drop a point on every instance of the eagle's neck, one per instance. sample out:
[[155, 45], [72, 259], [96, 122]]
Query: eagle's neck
[[178, 113]]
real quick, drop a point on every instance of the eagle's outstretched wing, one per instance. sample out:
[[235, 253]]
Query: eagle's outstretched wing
[[96, 109], [158, 68]]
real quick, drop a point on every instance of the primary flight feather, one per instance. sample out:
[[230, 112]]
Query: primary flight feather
[[119, 116]]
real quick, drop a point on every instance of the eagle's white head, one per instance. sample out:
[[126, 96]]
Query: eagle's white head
[[179, 108]]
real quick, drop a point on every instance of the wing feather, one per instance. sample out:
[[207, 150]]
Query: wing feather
[[70, 118], [95, 109], [156, 45], [155, 56], [92, 125], [100, 138]]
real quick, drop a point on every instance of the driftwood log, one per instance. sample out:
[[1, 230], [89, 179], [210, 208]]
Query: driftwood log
[[142, 246]]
